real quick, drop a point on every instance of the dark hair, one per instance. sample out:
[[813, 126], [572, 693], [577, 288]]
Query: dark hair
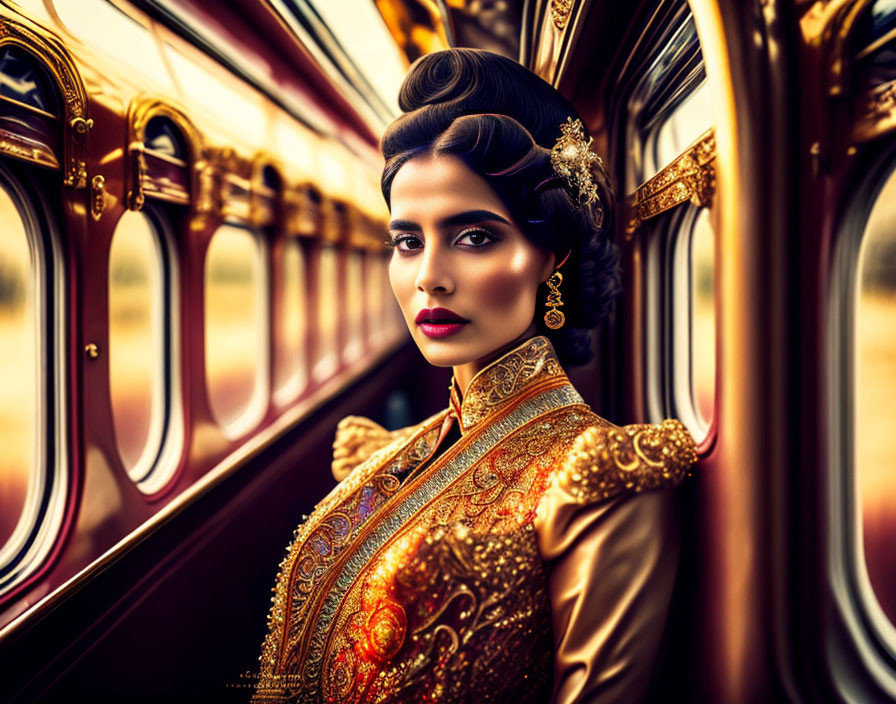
[[501, 120]]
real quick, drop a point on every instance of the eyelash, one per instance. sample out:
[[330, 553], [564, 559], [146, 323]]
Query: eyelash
[[396, 240]]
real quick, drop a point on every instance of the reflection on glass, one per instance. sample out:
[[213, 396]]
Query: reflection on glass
[[105, 28], [875, 390], [19, 381], [683, 126], [291, 370], [327, 324], [703, 318], [354, 294], [235, 330], [137, 342], [21, 80]]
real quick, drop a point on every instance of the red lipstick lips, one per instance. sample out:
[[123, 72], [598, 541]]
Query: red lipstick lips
[[439, 322]]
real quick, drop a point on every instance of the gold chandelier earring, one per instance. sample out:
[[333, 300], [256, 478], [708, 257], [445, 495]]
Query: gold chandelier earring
[[553, 318]]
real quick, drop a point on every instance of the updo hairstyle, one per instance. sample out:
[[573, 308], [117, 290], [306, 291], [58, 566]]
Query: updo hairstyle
[[501, 120]]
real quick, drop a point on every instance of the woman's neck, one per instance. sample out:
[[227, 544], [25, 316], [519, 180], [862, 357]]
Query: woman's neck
[[464, 373]]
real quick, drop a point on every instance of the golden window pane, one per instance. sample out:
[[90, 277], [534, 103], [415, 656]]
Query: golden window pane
[[137, 342], [327, 307], [291, 364], [703, 318], [235, 328], [875, 389], [20, 337], [354, 292]]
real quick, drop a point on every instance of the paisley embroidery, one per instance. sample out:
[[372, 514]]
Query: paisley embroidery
[[432, 588], [504, 379]]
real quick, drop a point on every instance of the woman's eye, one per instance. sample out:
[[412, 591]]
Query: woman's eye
[[475, 238], [406, 243]]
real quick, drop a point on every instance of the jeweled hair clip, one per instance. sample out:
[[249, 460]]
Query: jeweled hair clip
[[572, 158]]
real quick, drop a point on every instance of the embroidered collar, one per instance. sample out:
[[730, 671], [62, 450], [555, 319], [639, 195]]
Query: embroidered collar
[[504, 380]]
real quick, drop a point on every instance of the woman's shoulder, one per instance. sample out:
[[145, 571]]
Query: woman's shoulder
[[358, 438], [606, 460]]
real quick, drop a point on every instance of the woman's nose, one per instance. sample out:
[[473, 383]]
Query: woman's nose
[[434, 275]]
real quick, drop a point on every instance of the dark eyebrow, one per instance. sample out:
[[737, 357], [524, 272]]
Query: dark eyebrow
[[468, 217]]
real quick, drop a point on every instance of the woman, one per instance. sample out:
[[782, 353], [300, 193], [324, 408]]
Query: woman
[[500, 550]]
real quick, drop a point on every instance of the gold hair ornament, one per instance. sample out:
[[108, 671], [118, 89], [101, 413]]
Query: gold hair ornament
[[553, 318], [572, 158]]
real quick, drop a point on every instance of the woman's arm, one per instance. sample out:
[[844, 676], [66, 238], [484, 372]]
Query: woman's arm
[[611, 570], [608, 532]]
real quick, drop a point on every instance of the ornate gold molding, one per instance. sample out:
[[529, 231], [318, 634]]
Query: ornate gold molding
[[48, 50], [232, 182], [690, 178], [140, 112], [262, 209], [560, 13]]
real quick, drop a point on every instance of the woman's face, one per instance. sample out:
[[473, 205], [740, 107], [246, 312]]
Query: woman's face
[[464, 274]]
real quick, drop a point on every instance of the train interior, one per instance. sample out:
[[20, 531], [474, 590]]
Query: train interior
[[194, 291]]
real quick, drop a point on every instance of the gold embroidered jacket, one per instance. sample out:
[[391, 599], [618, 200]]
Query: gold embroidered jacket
[[522, 563]]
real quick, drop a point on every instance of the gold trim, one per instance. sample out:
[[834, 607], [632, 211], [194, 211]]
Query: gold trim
[[265, 209], [97, 196], [560, 13], [47, 49], [140, 112], [18, 147], [690, 178]]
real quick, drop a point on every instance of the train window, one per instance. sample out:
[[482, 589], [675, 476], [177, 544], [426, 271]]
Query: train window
[[138, 350], [102, 26], [236, 328], [32, 466], [875, 388], [693, 329], [375, 290], [25, 82], [683, 127], [883, 19], [163, 137], [291, 359], [671, 156], [327, 307], [20, 429], [354, 295]]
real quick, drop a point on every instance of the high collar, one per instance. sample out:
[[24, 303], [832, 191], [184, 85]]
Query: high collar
[[506, 380]]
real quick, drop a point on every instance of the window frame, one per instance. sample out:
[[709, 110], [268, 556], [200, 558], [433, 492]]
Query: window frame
[[256, 408], [872, 636], [667, 238], [50, 500], [159, 469]]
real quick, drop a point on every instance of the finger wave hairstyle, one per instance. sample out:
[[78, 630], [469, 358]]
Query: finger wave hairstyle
[[501, 120]]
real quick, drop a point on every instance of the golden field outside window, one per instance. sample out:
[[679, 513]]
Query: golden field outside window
[[327, 307], [874, 355], [236, 328], [292, 372], [137, 342], [21, 428]]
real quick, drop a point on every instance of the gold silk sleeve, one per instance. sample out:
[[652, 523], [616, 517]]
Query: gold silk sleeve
[[357, 438], [611, 554]]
